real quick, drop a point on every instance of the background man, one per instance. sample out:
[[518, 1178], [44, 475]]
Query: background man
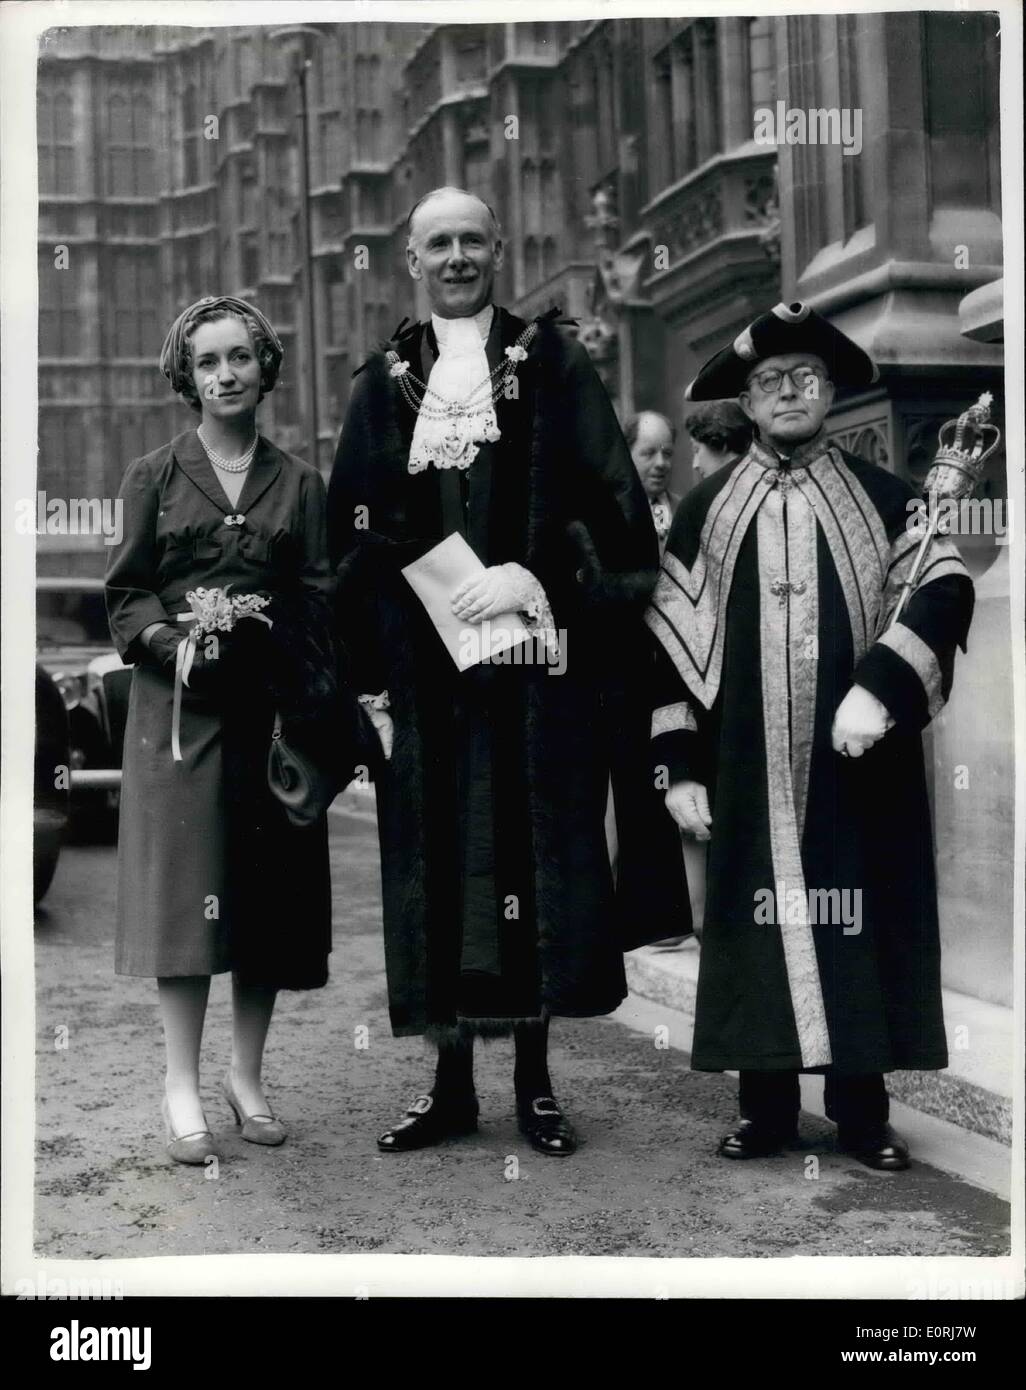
[[651, 439], [791, 731], [499, 905]]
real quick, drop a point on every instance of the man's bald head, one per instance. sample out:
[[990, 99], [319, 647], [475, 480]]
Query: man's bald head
[[454, 249], [447, 190]]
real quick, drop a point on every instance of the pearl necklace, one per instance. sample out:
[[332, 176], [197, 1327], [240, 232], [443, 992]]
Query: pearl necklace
[[236, 465]]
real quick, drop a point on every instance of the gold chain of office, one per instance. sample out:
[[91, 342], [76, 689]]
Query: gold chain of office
[[416, 392]]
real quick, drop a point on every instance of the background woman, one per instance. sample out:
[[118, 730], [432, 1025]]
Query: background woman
[[211, 875]]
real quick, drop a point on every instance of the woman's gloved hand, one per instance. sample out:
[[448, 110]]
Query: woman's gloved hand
[[162, 648], [206, 672], [206, 675]]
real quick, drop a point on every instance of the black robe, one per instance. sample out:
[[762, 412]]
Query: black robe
[[775, 596], [498, 897]]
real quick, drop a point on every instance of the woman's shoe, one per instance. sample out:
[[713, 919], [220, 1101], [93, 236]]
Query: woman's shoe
[[256, 1129], [193, 1148]]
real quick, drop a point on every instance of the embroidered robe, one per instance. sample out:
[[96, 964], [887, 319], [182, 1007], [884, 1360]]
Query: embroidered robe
[[776, 592]]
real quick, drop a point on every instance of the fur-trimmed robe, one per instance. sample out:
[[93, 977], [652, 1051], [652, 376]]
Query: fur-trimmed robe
[[498, 897], [776, 593]]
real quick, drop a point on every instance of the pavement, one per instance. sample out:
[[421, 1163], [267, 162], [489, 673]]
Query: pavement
[[644, 1182]]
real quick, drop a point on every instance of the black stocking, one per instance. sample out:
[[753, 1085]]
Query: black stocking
[[531, 1071], [454, 1075]]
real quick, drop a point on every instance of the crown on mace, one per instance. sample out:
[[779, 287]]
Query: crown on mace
[[964, 449]]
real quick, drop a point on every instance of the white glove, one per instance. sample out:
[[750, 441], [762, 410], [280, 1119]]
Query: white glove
[[382, 722], [688, 804], [376, 709], [501, 589], [861, 720]]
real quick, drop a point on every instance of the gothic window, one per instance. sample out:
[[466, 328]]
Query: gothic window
[[135, 303], [59, 316], [56, 145], [707, 91], [129, 144], [685, 142], [680, 91], [549, 255], [853, 171], [551, 212], [377, 143], [662, 124], [469, 59], [332, 87], [762, 77], [532, 262], [250, 260], [605, 111], [284, 395], [530, 185], [961, 109], [336, 291], [477, 168], [51, 447], [278, 243], [142, 143], [61, 459], [330, 147], [119, 140], [247, 192], [190, 137]]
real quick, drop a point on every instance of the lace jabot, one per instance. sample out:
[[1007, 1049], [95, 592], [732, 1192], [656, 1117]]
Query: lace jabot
[[449, 439]]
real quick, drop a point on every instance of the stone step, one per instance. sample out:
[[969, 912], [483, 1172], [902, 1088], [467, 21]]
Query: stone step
[[975, 1092]]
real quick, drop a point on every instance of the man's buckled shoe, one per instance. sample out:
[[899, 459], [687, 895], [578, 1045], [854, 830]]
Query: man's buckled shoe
[[545, 1125], [756, 1139], [878, 1147], [428, 1121]]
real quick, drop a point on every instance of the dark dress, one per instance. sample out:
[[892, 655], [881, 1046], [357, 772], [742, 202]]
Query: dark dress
[[211, 874], [498, 897]]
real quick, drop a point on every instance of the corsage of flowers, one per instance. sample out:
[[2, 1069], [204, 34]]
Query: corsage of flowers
[[214, 610]]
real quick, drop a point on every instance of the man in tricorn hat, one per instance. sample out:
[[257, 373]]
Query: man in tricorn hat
[[789, 732], [500, 909]]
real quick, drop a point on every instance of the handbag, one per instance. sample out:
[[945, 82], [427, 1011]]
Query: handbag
[[305, 787]]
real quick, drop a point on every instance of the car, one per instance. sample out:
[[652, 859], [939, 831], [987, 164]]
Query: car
[[73, 644], [51, 782]]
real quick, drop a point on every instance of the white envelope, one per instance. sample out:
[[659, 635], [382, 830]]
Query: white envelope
[[434, 578]]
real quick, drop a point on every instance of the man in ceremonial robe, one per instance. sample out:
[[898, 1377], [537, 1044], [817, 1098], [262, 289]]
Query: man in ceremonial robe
[[500, 907], [789, 726]]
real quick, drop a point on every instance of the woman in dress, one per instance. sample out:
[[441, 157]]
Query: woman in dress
[[212, 876]]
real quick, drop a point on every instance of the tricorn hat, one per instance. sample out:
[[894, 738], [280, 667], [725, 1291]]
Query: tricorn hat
[[786, 328]]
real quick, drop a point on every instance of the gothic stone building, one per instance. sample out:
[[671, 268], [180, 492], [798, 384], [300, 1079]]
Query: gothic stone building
[[622, 159]]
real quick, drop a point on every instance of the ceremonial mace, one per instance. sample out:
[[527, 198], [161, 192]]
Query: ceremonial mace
[[956, 472]]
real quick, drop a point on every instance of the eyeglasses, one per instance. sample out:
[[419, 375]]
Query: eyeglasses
[[800, 378]]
